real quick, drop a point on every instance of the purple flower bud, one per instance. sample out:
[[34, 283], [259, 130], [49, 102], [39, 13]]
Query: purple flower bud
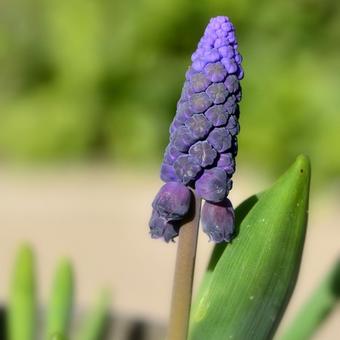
[[203, 153], [227, 163], [215, 72], [187, 168], [212, 185], [199, 102], [161, 228], [218, 221], [199, 126], [168, 173], [171, 154], [233, 125], [217, 93], [199, 82], [203, 135], [217, 115], [232, 84], [183, 111], [230, 105], [220, 139], [172, 201], [182, 139]]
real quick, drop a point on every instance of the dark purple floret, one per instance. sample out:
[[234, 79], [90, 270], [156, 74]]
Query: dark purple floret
[[203, 153], [199, 126], [168, 173], [199, 102], [232, 84], [172, 201], [183, 111], [227, 163], [217, 93], [199, 82], [217, 115], [212, 185], [182, 139], [218, 221], [171, 154], [220, 139], [233, 125], [230, 105], [161, 228], [187, 168]]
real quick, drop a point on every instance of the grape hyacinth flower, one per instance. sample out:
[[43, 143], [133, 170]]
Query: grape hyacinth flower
[[203, 138]]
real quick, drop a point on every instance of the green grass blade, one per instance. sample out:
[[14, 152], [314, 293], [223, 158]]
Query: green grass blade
[[21, 322], [253, 278], [61, 300], [95, 323], [317, 308]]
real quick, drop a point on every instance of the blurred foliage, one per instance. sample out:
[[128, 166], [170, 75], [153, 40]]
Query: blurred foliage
[[100, 79], [23, 321]]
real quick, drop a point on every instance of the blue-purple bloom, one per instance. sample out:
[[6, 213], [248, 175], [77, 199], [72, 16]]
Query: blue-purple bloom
[[203, 134]]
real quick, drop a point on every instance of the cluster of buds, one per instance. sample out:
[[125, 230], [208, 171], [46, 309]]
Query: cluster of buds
[[203, 139]]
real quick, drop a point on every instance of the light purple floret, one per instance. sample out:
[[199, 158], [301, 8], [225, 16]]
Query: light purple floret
[[218, 221], [204, 153], [212, 185]]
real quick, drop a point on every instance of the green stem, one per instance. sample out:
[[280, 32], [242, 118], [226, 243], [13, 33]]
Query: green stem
[[184, 274], [317, 308]]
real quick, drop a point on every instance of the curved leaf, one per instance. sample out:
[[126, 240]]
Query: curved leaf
[[254, 277]]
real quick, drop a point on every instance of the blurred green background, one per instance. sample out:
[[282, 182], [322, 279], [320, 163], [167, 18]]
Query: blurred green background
[[99, 80]]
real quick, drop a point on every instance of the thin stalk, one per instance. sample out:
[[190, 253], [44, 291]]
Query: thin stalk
[[184, 274]]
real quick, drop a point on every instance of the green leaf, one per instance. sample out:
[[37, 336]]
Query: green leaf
[[21, 322], [317, 308], [96, 322], [248, 286], [60, 305]]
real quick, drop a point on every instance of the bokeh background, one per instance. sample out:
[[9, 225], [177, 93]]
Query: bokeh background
[[87, 92]]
